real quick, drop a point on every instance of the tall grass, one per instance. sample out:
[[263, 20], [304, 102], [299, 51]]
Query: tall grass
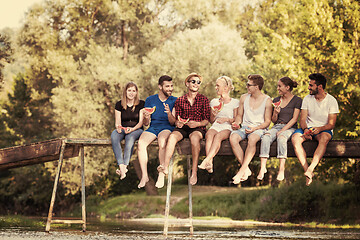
[[326, 203]]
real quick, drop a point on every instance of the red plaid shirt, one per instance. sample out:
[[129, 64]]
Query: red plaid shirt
[[199, 111]]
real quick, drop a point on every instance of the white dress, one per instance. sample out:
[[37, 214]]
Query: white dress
[[226, 112]]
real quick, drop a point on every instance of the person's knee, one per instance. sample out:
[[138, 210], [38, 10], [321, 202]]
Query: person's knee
[[266, 138], [252, 140], [282, 140], [324, 138], [296, 138], [114, 135], [234, 139]]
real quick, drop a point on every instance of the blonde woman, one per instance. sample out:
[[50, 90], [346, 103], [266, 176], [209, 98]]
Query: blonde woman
[[221, 120], [128, 123]]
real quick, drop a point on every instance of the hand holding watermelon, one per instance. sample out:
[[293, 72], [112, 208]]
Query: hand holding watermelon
[[235, 126], [276, 104], [182, 121], [218, 108]]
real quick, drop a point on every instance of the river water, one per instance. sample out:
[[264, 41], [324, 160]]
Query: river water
[[153, 229]]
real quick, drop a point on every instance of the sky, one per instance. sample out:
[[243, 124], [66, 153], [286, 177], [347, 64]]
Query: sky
[[12, 12]]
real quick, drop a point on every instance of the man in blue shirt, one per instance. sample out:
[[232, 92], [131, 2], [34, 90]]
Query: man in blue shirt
[[161, 124]]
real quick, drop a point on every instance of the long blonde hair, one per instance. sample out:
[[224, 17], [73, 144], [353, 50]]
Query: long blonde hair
[[124, 96]]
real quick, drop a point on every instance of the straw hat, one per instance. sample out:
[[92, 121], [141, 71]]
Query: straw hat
[[193, 75]]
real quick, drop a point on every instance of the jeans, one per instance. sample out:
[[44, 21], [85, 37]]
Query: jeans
[[130, 139], [270, 136]]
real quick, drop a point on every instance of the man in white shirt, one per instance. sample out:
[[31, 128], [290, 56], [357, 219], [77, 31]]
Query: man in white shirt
[[317, 121], [251, 121]]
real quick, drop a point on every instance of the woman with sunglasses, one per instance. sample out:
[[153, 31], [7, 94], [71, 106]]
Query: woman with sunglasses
[[128, 123], [285, 115], [221, 120]]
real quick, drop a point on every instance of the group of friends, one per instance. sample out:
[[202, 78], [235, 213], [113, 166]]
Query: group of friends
[[235, 119]]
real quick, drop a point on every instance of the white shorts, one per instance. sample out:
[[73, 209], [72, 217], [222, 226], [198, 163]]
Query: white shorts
[[221, 126]]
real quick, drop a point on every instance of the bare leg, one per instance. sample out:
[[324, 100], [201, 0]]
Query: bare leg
[[195, 138], [263, 169], [323, 139], [169, 151], [249, 154], [209, 139], [145, 139], [238, 152], [162, 142], [297, 141], [236, 148], [281, 174]]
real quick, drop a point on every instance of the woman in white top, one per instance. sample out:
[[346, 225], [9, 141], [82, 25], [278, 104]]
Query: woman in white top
[[221, 120]]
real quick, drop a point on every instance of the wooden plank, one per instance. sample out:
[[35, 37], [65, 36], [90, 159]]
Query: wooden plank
[[67, 221], [34, 153], [335, 148]]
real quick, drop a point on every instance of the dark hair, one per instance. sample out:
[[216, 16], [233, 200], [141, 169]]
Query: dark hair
[[164, 78], [319, 79], [289, 82], [257, 79]]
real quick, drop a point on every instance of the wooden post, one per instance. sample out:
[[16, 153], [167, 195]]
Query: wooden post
[[168, 194], [48, 222], [83, 209], [189, 166]]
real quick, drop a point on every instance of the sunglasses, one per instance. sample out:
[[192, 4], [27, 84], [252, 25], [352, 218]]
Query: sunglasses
[[250, 85], [194, 81]]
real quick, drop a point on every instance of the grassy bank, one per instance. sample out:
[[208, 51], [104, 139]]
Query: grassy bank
[[320, 203]]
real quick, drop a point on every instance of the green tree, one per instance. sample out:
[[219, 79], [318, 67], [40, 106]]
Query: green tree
[[201, 50], [6, 52], [296, 38]]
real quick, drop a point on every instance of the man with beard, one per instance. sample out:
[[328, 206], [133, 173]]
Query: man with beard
[[161, 124], [317, 121], [194, 109]]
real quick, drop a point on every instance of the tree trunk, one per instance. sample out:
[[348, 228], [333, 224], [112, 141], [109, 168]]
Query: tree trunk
[[150, 188], [125, 43]]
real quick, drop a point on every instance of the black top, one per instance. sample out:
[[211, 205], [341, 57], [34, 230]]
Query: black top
[[287, 113], [129, 118]]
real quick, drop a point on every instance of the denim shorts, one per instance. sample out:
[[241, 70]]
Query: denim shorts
[[243, 135], [299, 130], [158, 129]]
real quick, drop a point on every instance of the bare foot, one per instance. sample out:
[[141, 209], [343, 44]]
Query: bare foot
[[160, 168], [143, 182], [118, 172], [203, 164], [209, 167], [280, 176], [193, 179], [240, 177], [123, 171], [309, 175], [248, 172], [261, 174], [160, 181]]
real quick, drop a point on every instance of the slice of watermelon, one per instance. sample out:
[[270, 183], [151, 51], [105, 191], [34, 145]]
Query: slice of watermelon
[[275, 104], [184, 121], [150, 110], [218, 107]]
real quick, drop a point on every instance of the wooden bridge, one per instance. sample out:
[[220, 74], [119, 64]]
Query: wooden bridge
[[60, 149]]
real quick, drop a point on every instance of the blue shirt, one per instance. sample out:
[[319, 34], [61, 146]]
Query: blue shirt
[[159, 117]]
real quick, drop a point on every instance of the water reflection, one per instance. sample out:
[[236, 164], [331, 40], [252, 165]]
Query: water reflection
[[149, 230]]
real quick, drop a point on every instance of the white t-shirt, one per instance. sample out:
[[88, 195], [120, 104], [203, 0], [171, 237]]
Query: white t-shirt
[[254, 117], [226, 112], [318, 112]]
